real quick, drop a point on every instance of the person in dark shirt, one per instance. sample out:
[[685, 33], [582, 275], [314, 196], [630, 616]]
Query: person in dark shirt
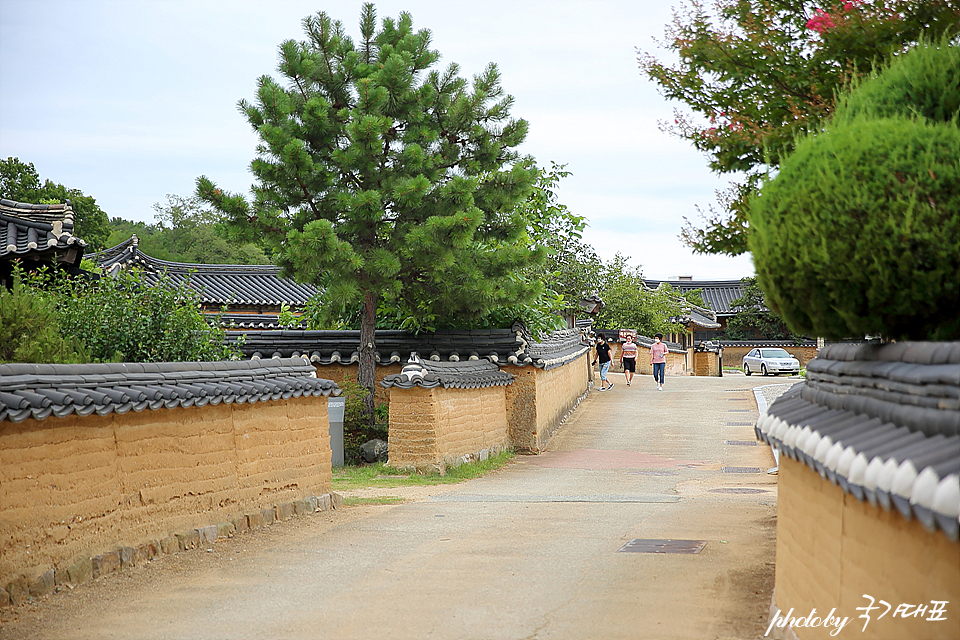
[[603, 357]]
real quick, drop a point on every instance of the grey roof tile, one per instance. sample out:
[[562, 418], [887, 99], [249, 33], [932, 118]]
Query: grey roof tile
[[717, 294], [39, 391], [217, 284], [503, 346], [474, 374], [886, 431], [38, 231]]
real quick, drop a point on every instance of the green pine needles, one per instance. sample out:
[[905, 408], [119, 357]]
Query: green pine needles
[[859, 233], [386, 181]]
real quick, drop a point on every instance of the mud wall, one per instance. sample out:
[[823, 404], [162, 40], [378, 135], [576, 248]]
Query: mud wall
[[706, 363], [833, 548], [538, 400], [433, 428], [74, 487]]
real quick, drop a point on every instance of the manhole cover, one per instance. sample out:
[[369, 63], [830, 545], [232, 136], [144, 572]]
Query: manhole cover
[[742, 443], [654, 472], [737, 490], [648, 545], [740, 469], [739, 424]]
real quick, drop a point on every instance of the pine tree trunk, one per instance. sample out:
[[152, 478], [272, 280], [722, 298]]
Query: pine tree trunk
[[366, 376]]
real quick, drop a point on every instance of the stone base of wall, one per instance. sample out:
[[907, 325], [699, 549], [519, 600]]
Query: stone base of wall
[[85, 569], [833, 548]]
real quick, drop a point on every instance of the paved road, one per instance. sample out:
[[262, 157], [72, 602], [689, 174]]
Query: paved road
[[528, 552]]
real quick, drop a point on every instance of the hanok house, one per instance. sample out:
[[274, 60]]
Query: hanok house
[[718, 295], [37, 235], [710, 328], [246, 296]]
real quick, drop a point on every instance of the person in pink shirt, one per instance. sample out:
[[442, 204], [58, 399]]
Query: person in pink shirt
[[628, 358], [658, 357]]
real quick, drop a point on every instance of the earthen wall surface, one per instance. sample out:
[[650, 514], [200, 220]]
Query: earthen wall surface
[[676, 362], [432, 427], [521, 402], [558, 391], [833, 548], [79, 486], [706, 363]]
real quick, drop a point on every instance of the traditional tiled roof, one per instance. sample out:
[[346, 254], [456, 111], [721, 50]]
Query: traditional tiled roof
[[39, 231], [806, 342], [473, 374], [701, 318], [501, 346], [883, 423], [218, 284], [39, 391], [717, 294]]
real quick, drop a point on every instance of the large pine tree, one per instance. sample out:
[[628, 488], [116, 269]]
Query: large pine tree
[[389, 183]]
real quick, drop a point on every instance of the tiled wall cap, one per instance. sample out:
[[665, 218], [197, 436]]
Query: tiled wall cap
[[886, 431], [39, 391]]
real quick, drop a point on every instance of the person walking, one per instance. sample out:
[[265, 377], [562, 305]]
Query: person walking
[[628, 358], [603, 357], [658, 357]]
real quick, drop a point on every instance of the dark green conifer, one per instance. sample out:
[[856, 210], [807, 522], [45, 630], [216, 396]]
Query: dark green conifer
[[385, 180]]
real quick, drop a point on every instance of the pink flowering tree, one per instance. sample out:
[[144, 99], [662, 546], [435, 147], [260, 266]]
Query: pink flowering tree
[[750, 75]]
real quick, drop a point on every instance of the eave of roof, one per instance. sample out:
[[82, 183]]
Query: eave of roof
[[883, 423], [475, 374], [218, 284], [40, 391], [37, 231], [501, 346], [717, 294]]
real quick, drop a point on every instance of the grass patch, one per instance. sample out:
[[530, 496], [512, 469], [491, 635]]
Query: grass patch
[[381, 476], [357, 502]]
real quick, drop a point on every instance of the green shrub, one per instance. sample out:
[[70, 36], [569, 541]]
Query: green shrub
[[923, 83], [125, 319], [859, 233], [30, 329]]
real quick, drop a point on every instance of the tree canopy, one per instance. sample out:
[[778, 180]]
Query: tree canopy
[[19, 181], [859, 231], [385, 180], [753, 319], [628, 304], [755, 74]]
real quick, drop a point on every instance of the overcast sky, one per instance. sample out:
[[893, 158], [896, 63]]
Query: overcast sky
[[131, 100]]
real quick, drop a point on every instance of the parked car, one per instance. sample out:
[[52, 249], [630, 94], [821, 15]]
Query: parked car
[[769, 360]]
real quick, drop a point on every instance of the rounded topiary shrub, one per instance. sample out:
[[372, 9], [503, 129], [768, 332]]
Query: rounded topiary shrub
[[923, 83], [859, 233]]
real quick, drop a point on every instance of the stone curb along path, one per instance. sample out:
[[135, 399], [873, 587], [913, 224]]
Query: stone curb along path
[[53, 580]]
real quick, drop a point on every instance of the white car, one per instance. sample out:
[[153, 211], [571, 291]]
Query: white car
[[769, 360]]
